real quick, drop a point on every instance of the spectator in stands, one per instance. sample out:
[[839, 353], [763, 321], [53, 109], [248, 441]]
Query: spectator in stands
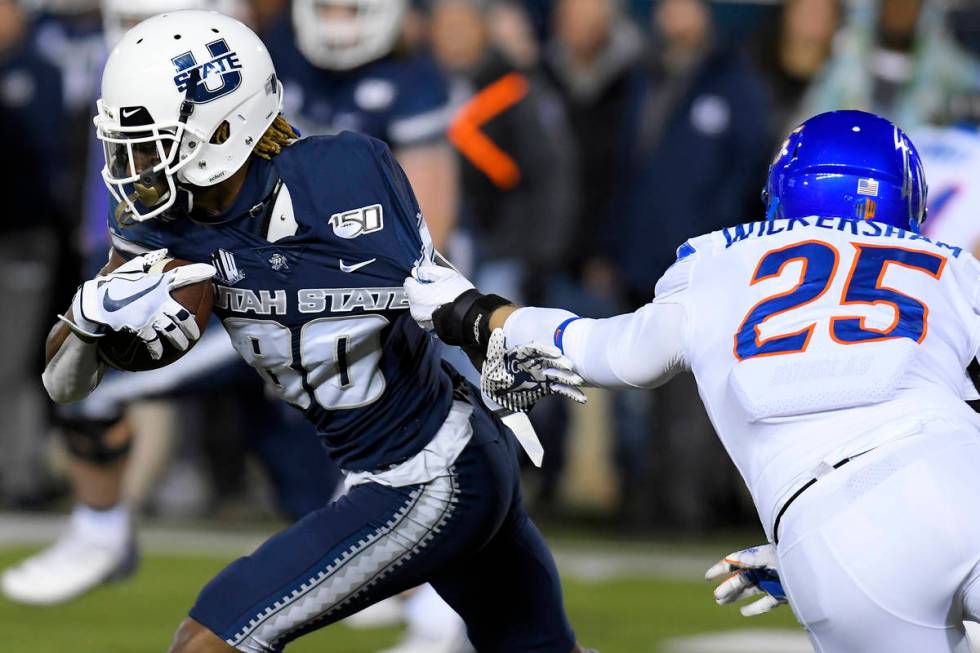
[[697, 145], [791, 52], [512, 32], [267, 12], [594, 51], [31, 91], [964, 22], [517, 157], [895, 58], [68, 34], [698, 133], [31, 119]]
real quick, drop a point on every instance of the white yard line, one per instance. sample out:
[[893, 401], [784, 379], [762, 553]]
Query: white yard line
[[22, 529], [605, 565], [32, 529], [741, 641]]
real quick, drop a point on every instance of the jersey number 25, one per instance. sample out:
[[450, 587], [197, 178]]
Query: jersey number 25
[[863, 285]]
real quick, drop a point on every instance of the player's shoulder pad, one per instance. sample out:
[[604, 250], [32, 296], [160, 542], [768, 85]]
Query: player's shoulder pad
[[359, 154], [966, 267], [348, 158], [362, 171], [678, 276], [314, 148]]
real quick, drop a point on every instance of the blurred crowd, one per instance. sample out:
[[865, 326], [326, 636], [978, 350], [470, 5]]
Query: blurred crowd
[[561, 149]]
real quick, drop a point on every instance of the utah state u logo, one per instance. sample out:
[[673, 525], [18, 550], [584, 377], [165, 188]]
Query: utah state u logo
[[214, 79]]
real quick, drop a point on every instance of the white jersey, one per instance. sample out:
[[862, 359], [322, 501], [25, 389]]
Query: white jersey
[[812, 340], [952, 160]]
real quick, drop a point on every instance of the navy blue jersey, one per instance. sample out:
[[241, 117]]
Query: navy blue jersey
[[311, 259], [402, 100]]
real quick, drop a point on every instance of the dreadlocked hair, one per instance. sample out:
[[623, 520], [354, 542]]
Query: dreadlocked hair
[[221, 134], [280, 134]]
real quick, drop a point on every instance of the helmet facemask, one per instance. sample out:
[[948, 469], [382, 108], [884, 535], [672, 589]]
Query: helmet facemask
[[143, 157], [141, 165], [914, 188]]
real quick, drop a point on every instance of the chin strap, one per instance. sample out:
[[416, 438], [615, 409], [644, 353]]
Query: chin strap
[[182, 206], [184, 199], [186, 106]]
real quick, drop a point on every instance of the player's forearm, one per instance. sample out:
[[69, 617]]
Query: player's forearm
[[643, 349], [56, 338], [499, 316], [73, 367], [60, 331]]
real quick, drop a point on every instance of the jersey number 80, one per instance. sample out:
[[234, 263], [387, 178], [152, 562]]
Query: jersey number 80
[[336, 361], [863, 285]]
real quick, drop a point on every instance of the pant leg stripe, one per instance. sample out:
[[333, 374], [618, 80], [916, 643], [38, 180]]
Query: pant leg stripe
[[408, 532]]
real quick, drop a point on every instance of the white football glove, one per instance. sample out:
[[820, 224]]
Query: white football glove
[[518, 377], [136, 297], [746, 573], [430, 287]]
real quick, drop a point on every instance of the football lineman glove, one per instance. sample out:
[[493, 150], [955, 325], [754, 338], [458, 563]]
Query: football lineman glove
[[746, 573], [430, 287], [518, 377], [442, 299], [136, 297]]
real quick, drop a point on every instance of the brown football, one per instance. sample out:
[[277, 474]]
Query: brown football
[[125, 351]]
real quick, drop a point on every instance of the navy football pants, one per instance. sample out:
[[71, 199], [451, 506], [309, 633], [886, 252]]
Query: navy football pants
[[466, 533]]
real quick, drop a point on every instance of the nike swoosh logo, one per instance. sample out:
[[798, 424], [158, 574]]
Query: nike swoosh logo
[[127, 114], [112, 305], [356, 266]]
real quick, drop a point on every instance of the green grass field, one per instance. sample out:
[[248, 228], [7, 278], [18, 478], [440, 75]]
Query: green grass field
[[622, 615]]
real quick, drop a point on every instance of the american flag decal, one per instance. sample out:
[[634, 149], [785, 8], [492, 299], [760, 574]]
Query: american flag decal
[[868, 187]]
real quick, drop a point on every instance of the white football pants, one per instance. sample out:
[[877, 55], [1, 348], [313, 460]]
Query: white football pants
[[881, 555]]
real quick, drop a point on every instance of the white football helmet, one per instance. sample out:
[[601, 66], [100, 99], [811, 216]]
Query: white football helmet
[[168, 86], [345, 34], [119, 16]]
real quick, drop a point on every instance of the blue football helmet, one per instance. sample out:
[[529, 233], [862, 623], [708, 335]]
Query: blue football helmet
[[848, 164]]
